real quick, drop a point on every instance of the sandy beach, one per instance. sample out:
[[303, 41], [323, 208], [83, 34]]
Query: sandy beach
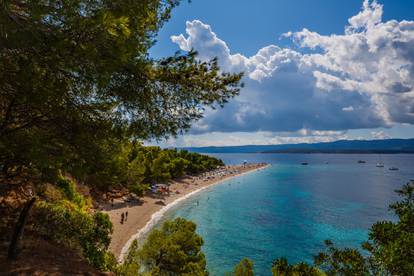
[[143, 214]]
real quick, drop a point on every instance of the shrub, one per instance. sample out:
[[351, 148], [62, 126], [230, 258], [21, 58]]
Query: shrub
[[244, 268], [174, 249], [69, 221]]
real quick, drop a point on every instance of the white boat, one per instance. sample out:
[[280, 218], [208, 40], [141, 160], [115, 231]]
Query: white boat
[[380, 164]]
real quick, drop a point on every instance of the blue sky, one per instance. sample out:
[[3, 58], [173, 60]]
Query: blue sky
[[248, 25], [316, 70]]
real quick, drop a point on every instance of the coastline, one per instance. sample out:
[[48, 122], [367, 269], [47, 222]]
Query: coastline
[[144, 215]]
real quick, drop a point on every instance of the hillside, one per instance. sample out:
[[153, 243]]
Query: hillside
[[342, 146]]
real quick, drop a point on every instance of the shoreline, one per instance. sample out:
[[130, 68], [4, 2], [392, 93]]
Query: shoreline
[[148, 213]]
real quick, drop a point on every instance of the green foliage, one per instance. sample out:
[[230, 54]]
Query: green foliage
[[179, 166], [244, 268], [78, 87], [345, 261], [76, 79], [174, 249], [138, 189], [149, 165], [199, 163], [131, 265], [281, 267], [68, 188], [391, 244], [131, 165], [70, 222], [390, 247], [77, 229]]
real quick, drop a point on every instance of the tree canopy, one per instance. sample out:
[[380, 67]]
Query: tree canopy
[[174, 249], [244, 268], [78, 94], [76, 78]]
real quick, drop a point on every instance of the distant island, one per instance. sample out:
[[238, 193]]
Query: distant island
[[386, 146]]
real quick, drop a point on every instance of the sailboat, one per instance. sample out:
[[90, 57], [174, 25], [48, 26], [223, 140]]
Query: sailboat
[[380, 164]]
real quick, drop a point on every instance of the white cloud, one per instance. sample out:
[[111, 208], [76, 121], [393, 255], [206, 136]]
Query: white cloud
[[379, 135], [348, 108], [370, 15], [363, 78], [372, 57]]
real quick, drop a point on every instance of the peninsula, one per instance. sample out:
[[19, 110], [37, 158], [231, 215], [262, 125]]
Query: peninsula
[[142, 214]]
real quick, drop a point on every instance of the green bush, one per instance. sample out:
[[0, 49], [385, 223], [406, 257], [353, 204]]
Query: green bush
[[138, 189], [68, 187], [244, 268], [69, 221], [131, 265], [174, 249], [77, 229]]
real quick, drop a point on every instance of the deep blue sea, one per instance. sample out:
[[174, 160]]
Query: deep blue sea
[[290, 209]]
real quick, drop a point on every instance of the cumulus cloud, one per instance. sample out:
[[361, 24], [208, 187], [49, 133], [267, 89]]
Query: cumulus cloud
[[363, 78]]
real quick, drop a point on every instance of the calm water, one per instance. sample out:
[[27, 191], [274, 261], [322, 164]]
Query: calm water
[[290, 209]]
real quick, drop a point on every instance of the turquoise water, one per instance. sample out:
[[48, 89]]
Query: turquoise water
[[289, 209]]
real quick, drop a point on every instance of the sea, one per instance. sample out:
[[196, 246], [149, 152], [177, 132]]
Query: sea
[[289, 209]]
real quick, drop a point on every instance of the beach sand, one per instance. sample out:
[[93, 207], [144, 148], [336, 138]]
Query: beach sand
[[143, 214]]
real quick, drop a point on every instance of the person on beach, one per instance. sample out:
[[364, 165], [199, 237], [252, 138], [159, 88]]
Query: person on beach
[[122, 218], [126, 215]]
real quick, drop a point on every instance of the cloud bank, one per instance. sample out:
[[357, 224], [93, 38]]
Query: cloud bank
[[363, 78]]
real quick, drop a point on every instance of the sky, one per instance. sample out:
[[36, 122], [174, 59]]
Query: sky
[[315, 71]]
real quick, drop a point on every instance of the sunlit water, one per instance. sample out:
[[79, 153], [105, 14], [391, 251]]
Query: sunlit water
[[290, 209]]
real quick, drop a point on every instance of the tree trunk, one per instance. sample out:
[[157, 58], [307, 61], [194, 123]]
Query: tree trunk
[[18, 230]]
